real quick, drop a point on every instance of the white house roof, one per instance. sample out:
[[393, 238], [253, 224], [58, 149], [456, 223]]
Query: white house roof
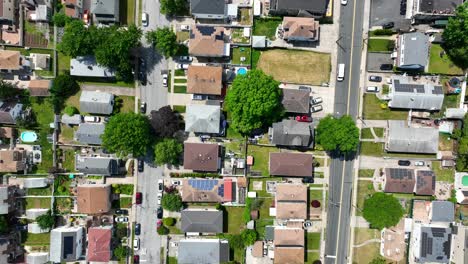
[[408, 95], [411, 139], [35, 182], [33, 213], [203, 118], [87, 66]]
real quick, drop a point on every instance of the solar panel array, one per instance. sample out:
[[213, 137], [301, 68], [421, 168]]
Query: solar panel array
[[422, 180], [407, 87], [221, 190], [437, 90], [206, 30], [204, 185], [396, 173], [438, 232], [426, 245]]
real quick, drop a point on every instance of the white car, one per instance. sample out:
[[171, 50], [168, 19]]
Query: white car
[[316, 100], [344, 2], [92, 119], [316, 108], [159, 198], [182, 66], [176, 182], [185, 27], [144, 19], [121, 219], [136, 243], [419, 163], [164, 80], [372, 89]]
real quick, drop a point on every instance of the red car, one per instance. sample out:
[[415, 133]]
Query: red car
[[138, 197], [159, 224], [136, 259], [304, 118]]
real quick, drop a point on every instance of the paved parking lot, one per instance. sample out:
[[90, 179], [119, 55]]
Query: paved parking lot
[[374, 60], [384, 11]]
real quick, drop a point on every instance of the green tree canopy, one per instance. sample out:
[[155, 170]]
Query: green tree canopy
[[249, 237], [382, 210], [120, 252], [8, 90], [253, 101], [171, 202], [378, 260], [127, 134], [71, 110], [76, 40], [165, 41], [173, 7], [456, 37], [338, 134], [163, 230], [60, 19], [168, 151], [63, 87], [3, 224], [46, 221], [169, 221]]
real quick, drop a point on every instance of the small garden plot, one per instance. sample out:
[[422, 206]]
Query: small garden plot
[[64, 205], [122, 189], [62, 185], [380, 45], [237, 36], [244, 17]]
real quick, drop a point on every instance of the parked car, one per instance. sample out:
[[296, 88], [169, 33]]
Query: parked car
[[92, 119], [137, 229], [184, 27], [344, 2], [316, 108], [143, 107], [164, 80], [159, 223], [176, 182], [316, 100], [136, 259], [308, 180], [159, 212], [142, 77], [138, 197], [121, 219], [22, 227], [389, 80], [307, 224], [186, 58], [144, 19], [24, 77], [404, 162], [388, 25], [159, 198], [199, 97], [136, 243], [374, 78], [386, 67], [305, 88], [160, 185], [182, 66], [372, 89], [141, 165], [419, 163], [304, 118], [121, 211]]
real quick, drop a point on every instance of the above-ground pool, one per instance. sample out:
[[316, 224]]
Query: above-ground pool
[[28, 136], [465, 180], [242, 71]]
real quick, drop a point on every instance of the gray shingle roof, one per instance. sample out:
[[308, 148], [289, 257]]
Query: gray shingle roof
[[105, 11], [291, 133], [90, 133], [71, 120], [435, 245], [301, 7], [296, 101], [106, 166], [415, 96], [96, 102], [35, 182], [206, 251], [443, 211], [203, 119], [202, 221], [87, 66], [411, 140], [214, 7], [415, 49]]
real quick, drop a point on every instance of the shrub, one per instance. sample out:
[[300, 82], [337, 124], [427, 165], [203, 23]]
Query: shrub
[[382, 32], [172, 202], [162, 230], [169, 221], [71, 110]]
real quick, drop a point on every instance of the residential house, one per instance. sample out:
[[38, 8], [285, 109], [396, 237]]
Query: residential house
[[39, 88], [206, 221], [7, 132], [399, 180], [459, 243], [406, 95], [303, 29], [425, 182], [7, 198], [291, 201], [207, 190], [10, 247], [291, 133], [9, 12], [32, 214], [291, 164], [86, 66], [401, 138], [296, 101], [40, 61], [96, 102], [73, 8], [99, 244], [38, 10], [90, 165], [289, 245], [213, 251], [205, 80], [36, 182], [37, 257], [208, 9], [10, 111], [425, 11], [301, 8], [90, 134], [94, 198], [201, 157], [71, 120], [66, 243], [442, 212], [208, 41], [203, 119], [105, 11], [412, 51], [392, 245], [433, 244], [462, 196], [34, 228], [10, 60], [15, 160]]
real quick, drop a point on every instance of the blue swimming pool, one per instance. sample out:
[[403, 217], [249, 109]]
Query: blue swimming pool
[[242, 71], [28, 136]]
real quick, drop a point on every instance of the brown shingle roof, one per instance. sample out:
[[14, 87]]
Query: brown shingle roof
[[291, 164], [94, 198], [289, 245], [7, 132], [291, 192], [289, 255], [291, 210], [9, 60], [291, 201], [399, 180], [206, 41], [192, 194], [300, 27], [39, 87], [296, 101], [201, 157], [425, 182], [204, 79], [12, 160]]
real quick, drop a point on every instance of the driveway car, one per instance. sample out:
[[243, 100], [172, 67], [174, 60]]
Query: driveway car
[[308, 180], [92, 119], [24, 77], [121, 219], [144, 19], [388, 25], [159, 224], [164, 80], [316, 108], [138, 197], [344, 2], [136, 259], [159, 212], [386, 67], [136, 243], [182, 66], [305, 88], [316, 100], [304, 118], [372, 89], [159, 198], [176, 182], [419, 163], [199, 97], [404, 162], [141, 165], [160, 185], [143, 107], [137, 229], [121, 211], [374, 78], [184, 27], [186, 58]]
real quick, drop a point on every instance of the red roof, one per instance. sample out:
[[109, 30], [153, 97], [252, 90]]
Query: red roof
[[99, 244], [227, 190]]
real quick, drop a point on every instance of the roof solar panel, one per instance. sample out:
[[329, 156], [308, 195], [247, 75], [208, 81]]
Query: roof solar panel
[[206, 30], [396, 173], [437, 90], [408, 87]]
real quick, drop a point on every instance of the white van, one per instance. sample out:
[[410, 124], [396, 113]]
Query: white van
[[144, 19], [340, 75]]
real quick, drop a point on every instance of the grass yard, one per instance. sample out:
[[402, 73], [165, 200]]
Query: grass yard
[[266, 27], [182, 36], [445, 142], [44, 112], [366, 133], [364, 189], [179, 72], [40, 191], [366, 173], [180, 88], [241, 52], [67, 132], [63, 64], [264, 211], [373, 111], [171, 260], [447, 175], [261, 157], [313, 240], [180, 80], [64, 205], [30, 239], [69, 160], [244, 16], [372, 149], [233, 219], [441, 64], [260, 227], [73, 101], [294, 66], [179, 108], [315, 195], [385, 89], [127, 17], [27, 52], [37, 203], [128, 104], [255, 57], [380, 45], [125, 202], [311, 257], [62, 185], [368, 252]]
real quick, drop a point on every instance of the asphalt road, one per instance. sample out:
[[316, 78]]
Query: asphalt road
[[350, 44]]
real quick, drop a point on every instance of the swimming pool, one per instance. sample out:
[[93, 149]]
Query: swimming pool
[[242, 71], [465, 180], [28, 136]]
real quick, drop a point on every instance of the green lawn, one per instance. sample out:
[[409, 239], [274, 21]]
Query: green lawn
[[179, 72], [179, 108], [37, 203], [40, 191], [63, 63], [30, 239], [128, 104], [385, 88], [445, 142], [62, 185], [234, 221], [27, 52], [447, 175], [255, 57], [125, 202], [171, 260], [315, 195], [366, 173], [180, 80], [263, 192], [69, 162], [260, 227], [239, 52], [373, 110], [368, 252], [311, 257], [43, 110], [74, 100], [364, 190], [366, 133], [67, 132], [441, 64], [313, 240], [266, 27], [450, 101], [372, 149], [261, 157], [182, 36], [380, 45], [180, 88], [64, 205]]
